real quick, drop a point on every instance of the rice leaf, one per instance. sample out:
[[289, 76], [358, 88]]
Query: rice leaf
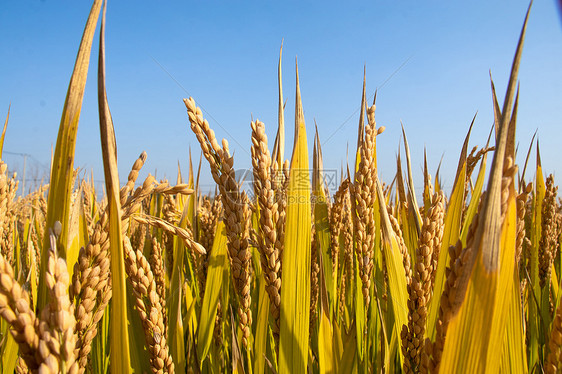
[[348, 362], [176, 330], [327, 345], [119, 338], [278, 154], [536, 338], [451, 232], [322, 224], [10, 351], [413, 210], [397, 288], [514, 352], [360, 312], [486, 305], [218, 264], [295, 293], [62, 169], [260, 337], [483, 289]]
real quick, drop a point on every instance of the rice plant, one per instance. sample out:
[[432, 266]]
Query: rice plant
[[155, 277]]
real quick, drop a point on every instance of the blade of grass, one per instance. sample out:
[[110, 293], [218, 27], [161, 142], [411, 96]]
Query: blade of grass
[[278, 153], [119, 339], [218, 264], [397, 288], [295, 293], [62, 166], [262, 327], [321, 223], [413, 210], [451, 232], [535, 337], [484, 286]]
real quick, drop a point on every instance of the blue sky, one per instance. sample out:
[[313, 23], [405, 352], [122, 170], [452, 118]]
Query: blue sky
[[429, 60]]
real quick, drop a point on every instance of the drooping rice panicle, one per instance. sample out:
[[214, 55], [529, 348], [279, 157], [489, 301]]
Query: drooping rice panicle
[[132, 177], [58, 324], [362, 202], [269, 216], [549, 238], [521, 210], [15, 308], [337, 214], [157, 266], [91, 290], [314, 274], [419, 289], [149, 307], [236, 211]]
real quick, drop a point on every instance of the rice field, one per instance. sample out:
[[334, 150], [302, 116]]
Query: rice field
[[285, 278]]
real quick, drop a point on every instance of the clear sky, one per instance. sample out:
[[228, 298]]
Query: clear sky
[[429, 60]]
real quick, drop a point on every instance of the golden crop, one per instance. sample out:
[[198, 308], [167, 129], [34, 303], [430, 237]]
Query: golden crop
[[161, 278]]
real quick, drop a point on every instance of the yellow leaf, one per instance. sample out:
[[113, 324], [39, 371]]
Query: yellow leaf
[[295, 293], [119, 338], [60, 187], [397, 288], [218, 264]]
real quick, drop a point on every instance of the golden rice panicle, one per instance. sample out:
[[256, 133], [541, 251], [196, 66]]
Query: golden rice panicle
[[314, 279], [336, 222], [88, 205], [15, 308], [134, 202], [149, 307], [57, 326], [269, 215], [132, 177], [205, 136], [549, 237], [139, 233], [170, 211], [419, 289], [209, 214], [8, 189], [157, 266], [186, 235], [471, 161], [91, 289], [236, 211], [508, 181], [554, 358], [521, 201], [363, 199]]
